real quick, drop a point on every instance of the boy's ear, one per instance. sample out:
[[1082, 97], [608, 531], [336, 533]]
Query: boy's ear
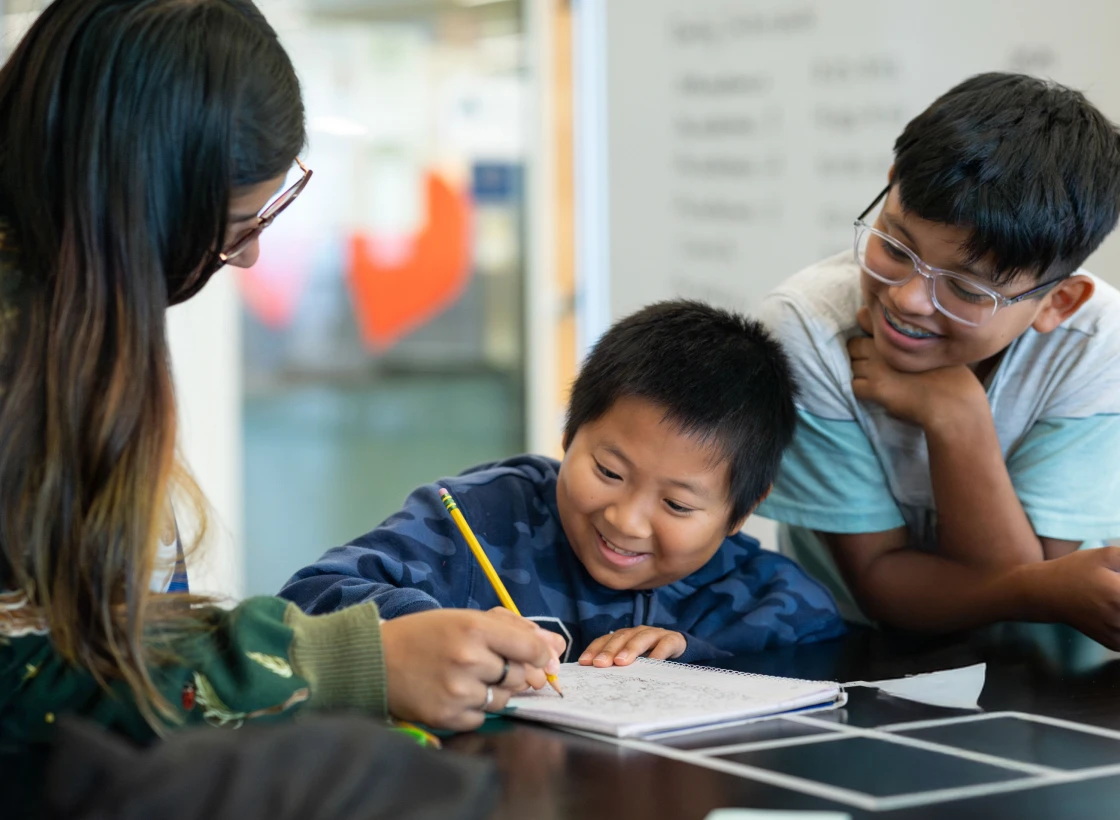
[[1063, 301], [738, 525], [890, 177]]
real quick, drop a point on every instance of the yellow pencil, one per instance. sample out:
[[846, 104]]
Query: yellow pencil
[[487, 567]]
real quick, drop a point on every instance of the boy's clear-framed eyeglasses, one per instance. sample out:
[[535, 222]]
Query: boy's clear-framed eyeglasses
[[265, 218], [962, 298]]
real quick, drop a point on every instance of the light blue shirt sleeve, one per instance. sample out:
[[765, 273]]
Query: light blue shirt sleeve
[[831, 480], [1066, 476]]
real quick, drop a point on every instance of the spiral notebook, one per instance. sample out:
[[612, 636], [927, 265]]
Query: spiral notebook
[[652, 697]]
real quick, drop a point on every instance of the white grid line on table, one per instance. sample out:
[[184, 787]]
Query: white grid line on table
[[848, 797], [915, 799], [885, 737], [804, 720], [1042, 776], [946, 721], [775, 743], [1085, 728], [853, 798]]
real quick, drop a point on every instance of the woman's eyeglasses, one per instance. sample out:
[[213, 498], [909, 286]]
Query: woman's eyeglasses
[[264, 219]]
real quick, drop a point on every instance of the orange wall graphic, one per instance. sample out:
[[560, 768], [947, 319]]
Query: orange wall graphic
[[397, 287]]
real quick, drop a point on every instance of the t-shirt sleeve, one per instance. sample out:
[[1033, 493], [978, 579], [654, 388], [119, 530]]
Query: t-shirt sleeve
[[1064, 473], [830, 478]]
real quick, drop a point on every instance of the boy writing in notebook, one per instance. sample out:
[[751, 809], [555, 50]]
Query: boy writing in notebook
[[631, 545], [959, 420]]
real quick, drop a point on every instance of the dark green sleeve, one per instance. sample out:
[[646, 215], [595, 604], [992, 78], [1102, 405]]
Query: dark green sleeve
[[262, 661], [265, 661]]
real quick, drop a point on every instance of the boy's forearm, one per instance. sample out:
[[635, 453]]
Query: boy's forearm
[[980, 521], [922, 592], [318, 594]]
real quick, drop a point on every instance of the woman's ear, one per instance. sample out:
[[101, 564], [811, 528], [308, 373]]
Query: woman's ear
[[1063, 301], [738, 525]]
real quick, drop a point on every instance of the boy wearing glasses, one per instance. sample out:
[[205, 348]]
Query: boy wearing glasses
[[959, 422]]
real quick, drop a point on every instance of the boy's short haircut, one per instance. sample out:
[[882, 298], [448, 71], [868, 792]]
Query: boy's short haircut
[[1029, 166], [720, 377]]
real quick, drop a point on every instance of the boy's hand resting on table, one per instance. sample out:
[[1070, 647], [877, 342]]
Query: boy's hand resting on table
[[621, 647], [1081, 589], [439, 664]]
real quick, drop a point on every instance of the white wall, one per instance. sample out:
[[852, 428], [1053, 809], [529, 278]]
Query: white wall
[[744, 138], [541, 306], [205, 339]]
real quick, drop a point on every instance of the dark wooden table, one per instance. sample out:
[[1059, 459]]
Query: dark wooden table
[[1051, 675]]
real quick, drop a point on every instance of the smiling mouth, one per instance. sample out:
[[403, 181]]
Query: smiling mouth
[[619, 555], [907, 329]]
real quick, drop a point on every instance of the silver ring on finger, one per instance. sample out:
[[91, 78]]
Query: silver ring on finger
[[489, 698]]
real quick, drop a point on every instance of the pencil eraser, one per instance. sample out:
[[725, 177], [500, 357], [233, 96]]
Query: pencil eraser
[[443, 492]]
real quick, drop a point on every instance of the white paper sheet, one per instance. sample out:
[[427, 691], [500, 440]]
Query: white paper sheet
[[949, 688]]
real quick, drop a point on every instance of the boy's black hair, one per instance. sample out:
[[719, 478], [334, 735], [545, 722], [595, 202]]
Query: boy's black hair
[[1029, 166], [720, 377]]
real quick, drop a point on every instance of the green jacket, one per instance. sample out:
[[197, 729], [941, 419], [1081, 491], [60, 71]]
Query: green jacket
[[264, 661]]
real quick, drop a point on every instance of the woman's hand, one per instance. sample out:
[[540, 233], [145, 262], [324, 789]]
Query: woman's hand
[[439, 664]]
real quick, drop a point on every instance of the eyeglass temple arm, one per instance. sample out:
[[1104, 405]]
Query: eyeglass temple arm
[[876, 201], [1035, 290]]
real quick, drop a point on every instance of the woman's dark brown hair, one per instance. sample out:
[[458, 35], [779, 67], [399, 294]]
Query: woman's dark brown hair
[[125, 126]]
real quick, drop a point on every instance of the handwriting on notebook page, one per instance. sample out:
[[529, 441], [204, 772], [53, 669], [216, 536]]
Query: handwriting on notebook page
[[639, 690]]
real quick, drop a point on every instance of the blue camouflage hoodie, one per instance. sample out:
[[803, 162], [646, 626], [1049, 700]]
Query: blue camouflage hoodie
[[743, 600]]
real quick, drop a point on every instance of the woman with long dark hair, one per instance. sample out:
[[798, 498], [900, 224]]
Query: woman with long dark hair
[[139, 142]]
